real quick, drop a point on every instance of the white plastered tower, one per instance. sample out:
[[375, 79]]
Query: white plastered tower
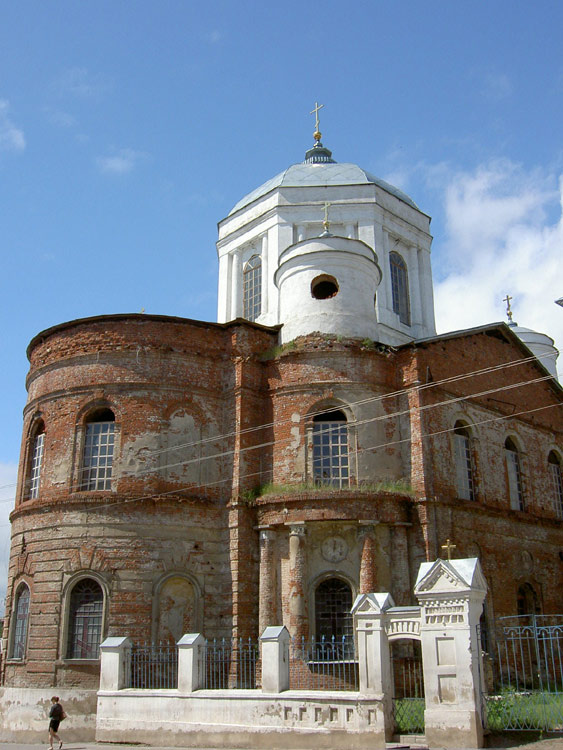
[[281, 228]]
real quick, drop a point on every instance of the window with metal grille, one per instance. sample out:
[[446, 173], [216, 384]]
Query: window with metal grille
[[330, 449], [400, 288], [333, 602], [554, 463], [515, 491], [463, 462], [21, 615], [252, 288], [85, 620], [36, 461], [98, 451]]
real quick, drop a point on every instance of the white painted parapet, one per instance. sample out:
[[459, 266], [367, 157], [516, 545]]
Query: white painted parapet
[[275, 659], [451, 595], [114, 663], [191, 662], [374, 656]]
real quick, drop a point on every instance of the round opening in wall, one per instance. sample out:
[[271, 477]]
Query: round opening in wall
[[324, 287]]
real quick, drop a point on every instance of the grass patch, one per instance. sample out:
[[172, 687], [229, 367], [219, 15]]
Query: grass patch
[[522, 711]]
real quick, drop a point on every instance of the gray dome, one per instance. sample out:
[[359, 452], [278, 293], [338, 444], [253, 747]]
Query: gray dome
[[315, 174]]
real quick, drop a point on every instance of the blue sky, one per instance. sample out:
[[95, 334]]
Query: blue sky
[[128, 129]]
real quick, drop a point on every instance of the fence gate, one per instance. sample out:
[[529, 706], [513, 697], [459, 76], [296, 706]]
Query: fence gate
[[528, 675], [408, 701]]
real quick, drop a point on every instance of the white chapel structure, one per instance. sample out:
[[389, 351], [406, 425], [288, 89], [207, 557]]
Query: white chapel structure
[[328, 247]]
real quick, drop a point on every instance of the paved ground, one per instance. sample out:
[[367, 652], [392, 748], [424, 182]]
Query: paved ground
[[553, 743]]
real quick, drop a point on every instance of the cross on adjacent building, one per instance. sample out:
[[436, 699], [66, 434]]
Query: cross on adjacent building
[[448, 546], [508, 310]]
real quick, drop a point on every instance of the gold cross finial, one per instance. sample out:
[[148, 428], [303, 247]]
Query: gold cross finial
[[448, 546], [326, 222], [508, 310], [315, 111]]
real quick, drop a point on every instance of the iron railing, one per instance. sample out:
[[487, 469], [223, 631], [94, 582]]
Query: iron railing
[[232, 663], [323, 664], [528, 675], [153, 666]]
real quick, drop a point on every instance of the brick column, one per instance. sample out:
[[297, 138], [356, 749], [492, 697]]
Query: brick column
[[266, 605], [368, 567], [297, 600], [400, 564]]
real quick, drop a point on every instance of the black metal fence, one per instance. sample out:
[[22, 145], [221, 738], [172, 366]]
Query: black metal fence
[[324, 664], [153, 666], [232, 664]]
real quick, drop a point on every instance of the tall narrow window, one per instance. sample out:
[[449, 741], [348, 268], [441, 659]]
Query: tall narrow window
[[330, 449], [85, 620], [21, 615], [554, 463], [98, 451], [36, 462], [463, 462], [527, 600], [400, 288], [252, 288], [514, 473]]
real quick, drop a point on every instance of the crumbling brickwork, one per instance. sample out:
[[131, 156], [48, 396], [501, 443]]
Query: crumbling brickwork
[[214, 429]]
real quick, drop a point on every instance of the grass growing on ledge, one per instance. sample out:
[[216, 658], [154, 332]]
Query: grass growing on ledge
[[398, 486]]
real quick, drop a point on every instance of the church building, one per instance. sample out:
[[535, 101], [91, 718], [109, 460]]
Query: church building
[[318, 441]]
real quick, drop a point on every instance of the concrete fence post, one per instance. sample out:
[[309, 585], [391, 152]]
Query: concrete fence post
[[451, 595], [191, 662], [374, 657], [274, 643], [114, 663]]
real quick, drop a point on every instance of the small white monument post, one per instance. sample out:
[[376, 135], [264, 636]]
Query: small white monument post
[[451, 595]]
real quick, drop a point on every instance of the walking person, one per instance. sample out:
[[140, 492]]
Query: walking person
[[56, 715]]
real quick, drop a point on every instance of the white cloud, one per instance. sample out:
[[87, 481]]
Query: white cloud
[[498, 85], [11, 137], [80, 83], [122, 162], [61, 119], [8, 477], [501, 237], [214, 36]]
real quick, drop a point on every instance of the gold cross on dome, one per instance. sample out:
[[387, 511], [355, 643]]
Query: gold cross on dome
[[448, 546], [326, 222], [315, 111], [508, 310]]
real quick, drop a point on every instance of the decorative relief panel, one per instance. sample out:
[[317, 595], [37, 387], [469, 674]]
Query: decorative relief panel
[[402, 628], [450, 612]]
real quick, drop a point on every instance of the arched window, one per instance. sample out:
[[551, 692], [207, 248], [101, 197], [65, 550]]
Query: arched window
[[98, 451], [19, 626], [333, 602], [463, 462], [554, 464], [527, 600], [514, 474], [330, 449], [252, 288], [400, 288], [36, 461], [85, 620]]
